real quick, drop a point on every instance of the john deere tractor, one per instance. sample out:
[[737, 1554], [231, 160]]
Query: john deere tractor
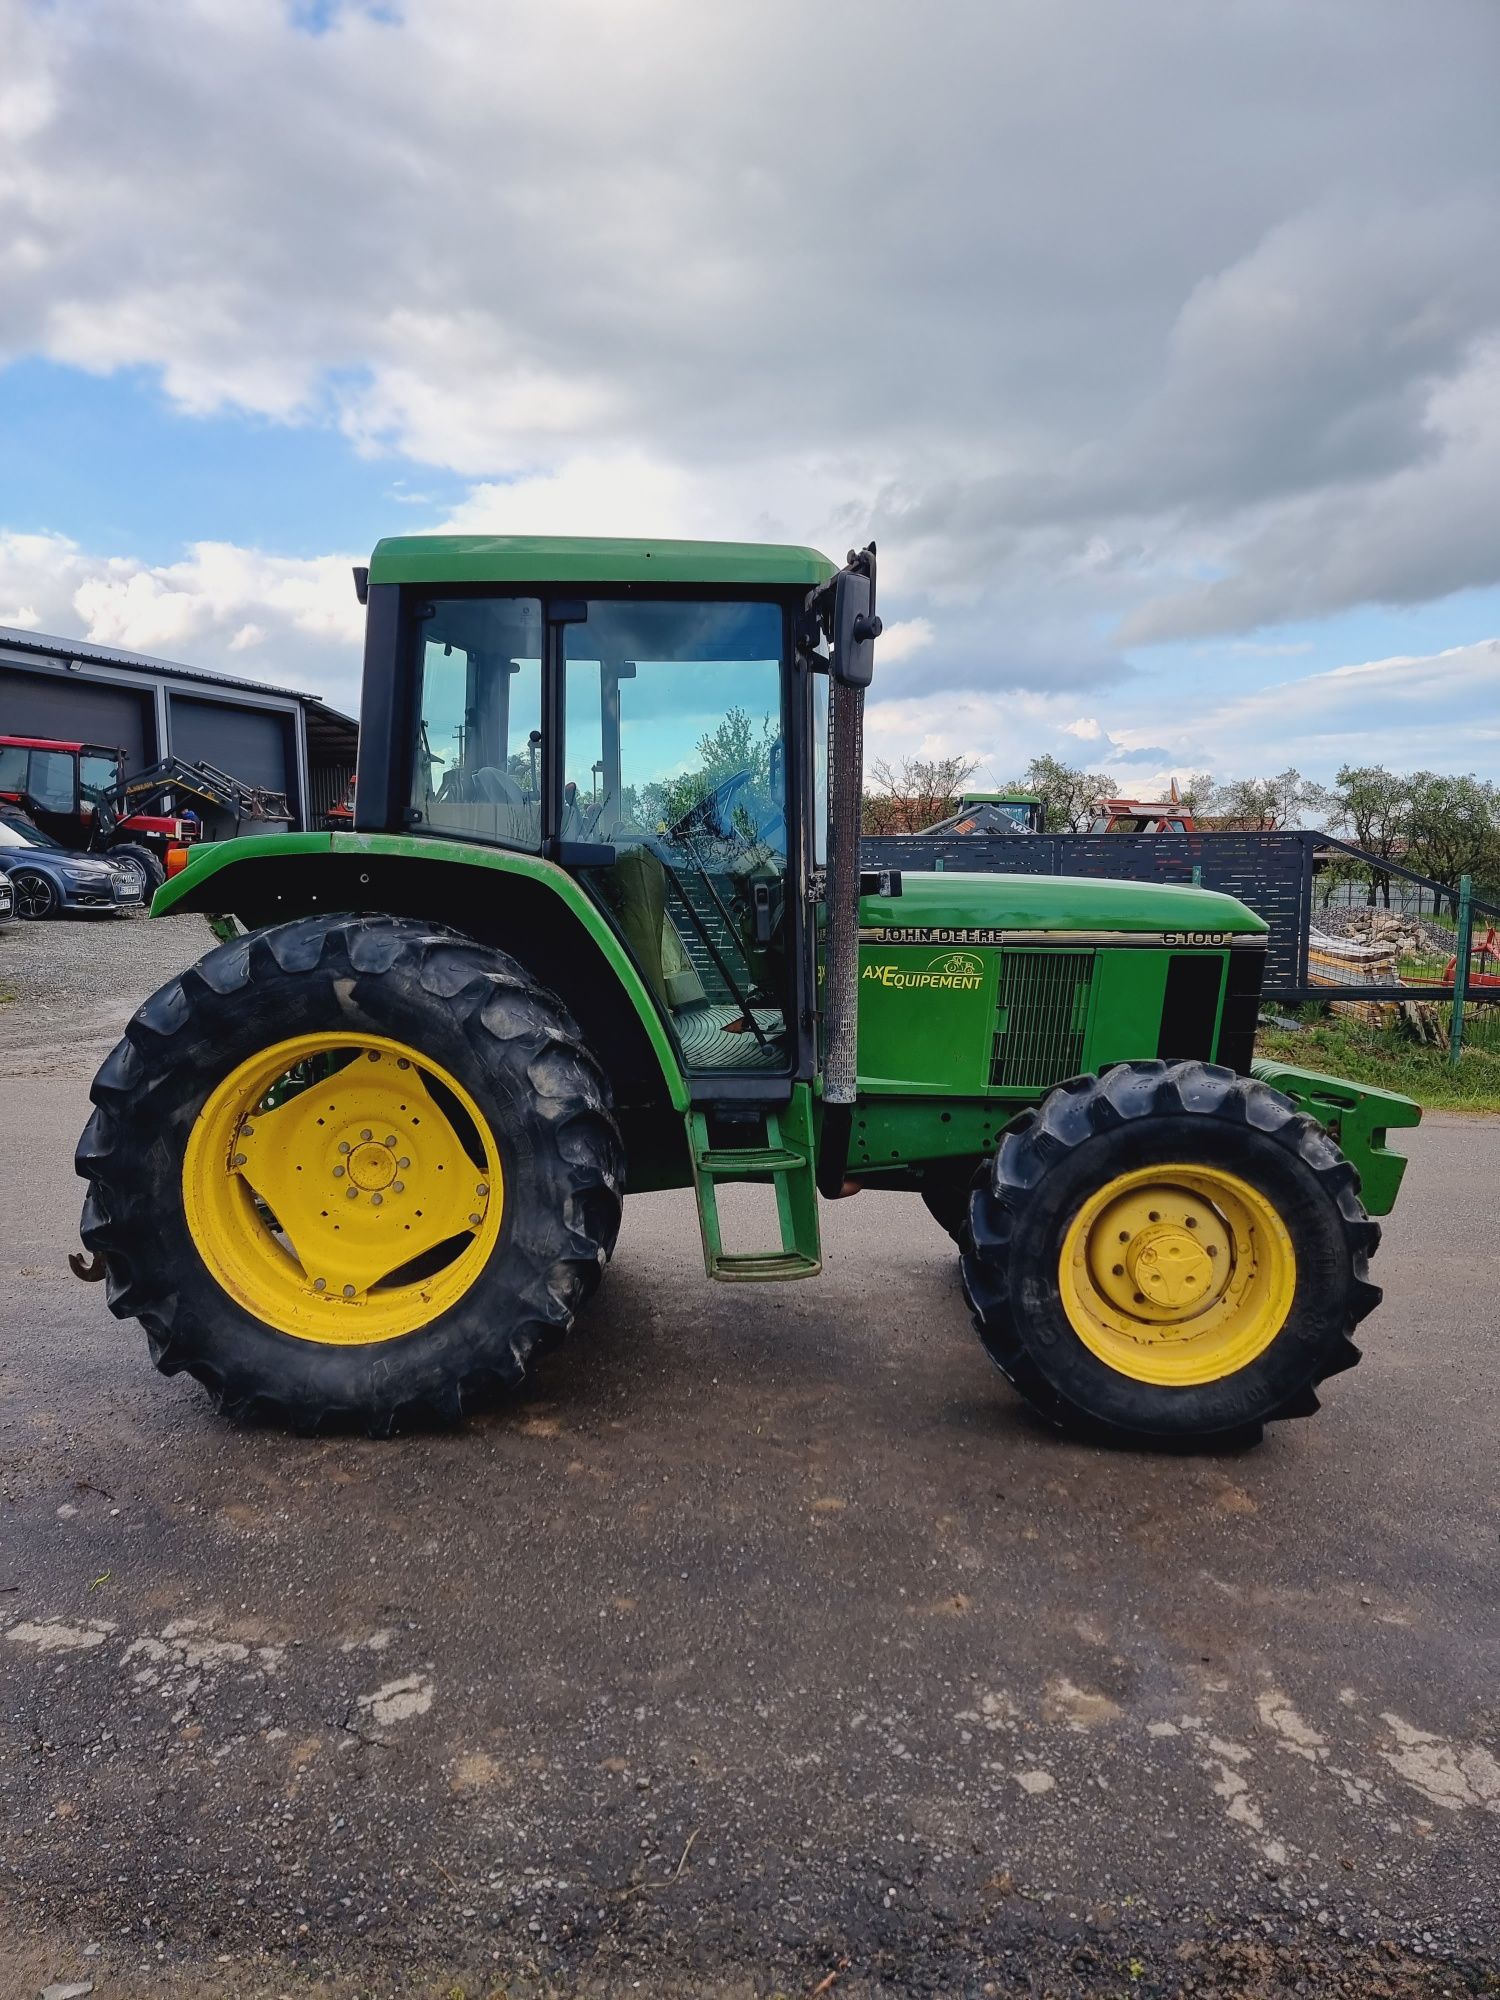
[[600, 926]]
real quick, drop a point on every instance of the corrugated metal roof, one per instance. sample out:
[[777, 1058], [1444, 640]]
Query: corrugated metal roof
[[111, 656]]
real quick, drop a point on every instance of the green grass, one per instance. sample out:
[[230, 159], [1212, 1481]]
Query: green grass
[[1392, 1059]]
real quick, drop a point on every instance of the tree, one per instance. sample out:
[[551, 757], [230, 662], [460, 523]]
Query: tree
[[912, 794], [1373, 806], [1454, 828], [737, 743], [1264, 804], [1196, 791], [1069, 794]]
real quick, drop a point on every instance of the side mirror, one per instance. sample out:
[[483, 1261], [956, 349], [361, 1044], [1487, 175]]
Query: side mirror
[[855, 626]]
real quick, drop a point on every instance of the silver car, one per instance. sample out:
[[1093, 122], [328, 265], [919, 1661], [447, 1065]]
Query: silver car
[[45, 878]]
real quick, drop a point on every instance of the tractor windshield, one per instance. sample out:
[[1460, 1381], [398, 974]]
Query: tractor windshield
[[99, 776]]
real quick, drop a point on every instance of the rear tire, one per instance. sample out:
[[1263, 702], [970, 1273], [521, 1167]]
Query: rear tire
[[1157, 1370], [491, 1038]]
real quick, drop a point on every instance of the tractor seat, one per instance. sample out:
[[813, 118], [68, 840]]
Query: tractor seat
[[640, 885]]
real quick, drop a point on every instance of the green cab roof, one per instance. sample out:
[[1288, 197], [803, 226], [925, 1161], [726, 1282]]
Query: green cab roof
[[511, 559]]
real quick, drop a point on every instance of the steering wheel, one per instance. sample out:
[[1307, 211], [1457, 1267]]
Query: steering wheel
[[714, 810]]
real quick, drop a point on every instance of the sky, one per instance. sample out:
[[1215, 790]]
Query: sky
[[1157, 344]]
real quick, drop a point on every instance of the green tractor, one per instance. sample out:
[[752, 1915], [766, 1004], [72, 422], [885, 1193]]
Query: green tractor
[[600, 926]]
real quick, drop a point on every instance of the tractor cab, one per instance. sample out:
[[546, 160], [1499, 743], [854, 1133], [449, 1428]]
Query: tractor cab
[[1168, 815], [63, 787], [653, 746], [655, 723], [994, 812]]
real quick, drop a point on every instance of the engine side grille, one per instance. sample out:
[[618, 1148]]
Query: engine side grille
[[1247, 971], [1042, 1018]]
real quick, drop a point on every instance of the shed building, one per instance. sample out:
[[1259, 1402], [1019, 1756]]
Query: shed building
[[149, 708]]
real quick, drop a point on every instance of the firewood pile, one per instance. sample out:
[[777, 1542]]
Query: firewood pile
[[1405, 935], [1354, 948]]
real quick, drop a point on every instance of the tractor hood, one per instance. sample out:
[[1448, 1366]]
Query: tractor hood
[[950, 908]]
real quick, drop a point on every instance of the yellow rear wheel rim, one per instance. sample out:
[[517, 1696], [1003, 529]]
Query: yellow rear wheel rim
[[1177, 1275], [343, 1188]]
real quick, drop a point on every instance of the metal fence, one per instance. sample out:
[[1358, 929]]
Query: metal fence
[[1344, 924]]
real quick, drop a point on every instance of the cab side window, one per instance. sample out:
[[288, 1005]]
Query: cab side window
[[477, 771]]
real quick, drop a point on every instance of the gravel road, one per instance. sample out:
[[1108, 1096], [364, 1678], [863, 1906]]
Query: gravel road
[[69, 985], [766, 1645]]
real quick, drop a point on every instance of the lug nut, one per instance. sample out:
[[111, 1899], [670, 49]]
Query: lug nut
[[398, 1187], [248, 1130], [402, 1063], [338, 1173], [366, 1133], [483, 1188], [390, 1139], [239, 1159], [348, 1291], [474, 1219], [353, 1194], [343, 1145], [376, 1200], [320, 1284], [403, 1164]]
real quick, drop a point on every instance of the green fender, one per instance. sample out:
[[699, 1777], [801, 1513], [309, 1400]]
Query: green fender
[[207, 884]]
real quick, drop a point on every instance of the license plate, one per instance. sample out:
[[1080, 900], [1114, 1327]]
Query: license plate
[[127, 892]]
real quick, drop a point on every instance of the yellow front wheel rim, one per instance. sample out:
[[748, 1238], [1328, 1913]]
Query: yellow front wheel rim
[[343, 1188], [1177, 1275]]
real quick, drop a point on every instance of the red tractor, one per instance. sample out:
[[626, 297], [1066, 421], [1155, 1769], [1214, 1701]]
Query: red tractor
[[1167, 815], [79, 794], [71, 791]]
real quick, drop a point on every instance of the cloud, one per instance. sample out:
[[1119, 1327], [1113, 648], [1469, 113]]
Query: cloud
[[295, 622], [287, 621], [902, 638], [1152, 320]]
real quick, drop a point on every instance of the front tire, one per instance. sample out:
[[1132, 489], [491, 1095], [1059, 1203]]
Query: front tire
[[351, 1171], [35, 896], [1169, 1250]]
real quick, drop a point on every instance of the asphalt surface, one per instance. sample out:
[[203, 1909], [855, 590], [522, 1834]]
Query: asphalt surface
[[767, 1645]]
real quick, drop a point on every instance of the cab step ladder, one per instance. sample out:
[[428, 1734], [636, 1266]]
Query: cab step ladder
[[785, 1159]]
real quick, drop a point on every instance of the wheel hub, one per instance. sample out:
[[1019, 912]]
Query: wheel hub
[[372, 1166], [1170, 1267], [1160, 1255]]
